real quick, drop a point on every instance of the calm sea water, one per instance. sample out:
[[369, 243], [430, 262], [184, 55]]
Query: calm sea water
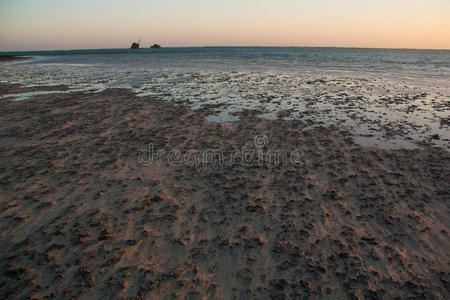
[[434, 63], [384, 97]]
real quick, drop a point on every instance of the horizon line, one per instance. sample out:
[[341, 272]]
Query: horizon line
[[230, 46]]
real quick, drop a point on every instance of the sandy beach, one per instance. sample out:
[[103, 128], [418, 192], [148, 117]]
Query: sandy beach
[[87, 213]]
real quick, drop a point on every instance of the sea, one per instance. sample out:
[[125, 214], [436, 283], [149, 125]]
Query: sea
[[385, 98]]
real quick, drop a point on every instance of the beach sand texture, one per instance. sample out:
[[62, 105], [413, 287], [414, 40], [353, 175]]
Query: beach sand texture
[[82, 217]]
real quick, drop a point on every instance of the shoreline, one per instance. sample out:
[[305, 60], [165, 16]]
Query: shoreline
[[13, 57], [82, 216], [378, 112]]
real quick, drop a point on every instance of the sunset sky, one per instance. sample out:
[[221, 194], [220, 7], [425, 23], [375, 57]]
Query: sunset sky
[[77, 24]]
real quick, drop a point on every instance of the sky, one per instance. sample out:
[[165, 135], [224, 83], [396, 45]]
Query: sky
[[90, 24]]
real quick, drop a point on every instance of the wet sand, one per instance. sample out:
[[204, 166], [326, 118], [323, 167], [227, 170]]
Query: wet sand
[[81, 216]]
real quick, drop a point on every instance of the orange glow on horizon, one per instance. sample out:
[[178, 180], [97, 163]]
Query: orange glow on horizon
[[349, 23]]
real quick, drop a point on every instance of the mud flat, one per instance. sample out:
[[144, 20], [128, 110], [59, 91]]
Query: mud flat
[[84, 212]]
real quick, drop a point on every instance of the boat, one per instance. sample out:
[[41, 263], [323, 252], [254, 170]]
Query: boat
[[135, 45], [156, 46]]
